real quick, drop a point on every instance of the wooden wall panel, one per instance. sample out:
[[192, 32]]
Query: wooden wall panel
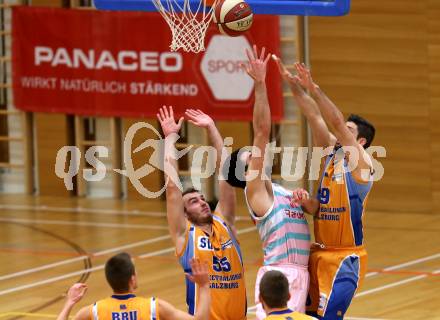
[[379, 62], [153, 181], [51, 130], [51, 136], [48, 3], [239, 131], [4, 145], [434, 78]]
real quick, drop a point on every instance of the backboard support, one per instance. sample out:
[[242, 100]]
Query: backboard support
[[275, 7]]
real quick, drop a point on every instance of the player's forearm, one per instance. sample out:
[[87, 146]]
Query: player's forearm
[[307, 105], [175, 217], [171, 166], [310, 110], [204, 303], [226, 192], [217, 142], [175, 214], [174, 200], [64, 314], [311, 206], [261, 116], [328, 109], [227, 202]]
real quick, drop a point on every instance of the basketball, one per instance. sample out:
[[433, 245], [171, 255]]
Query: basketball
[[233, 17]]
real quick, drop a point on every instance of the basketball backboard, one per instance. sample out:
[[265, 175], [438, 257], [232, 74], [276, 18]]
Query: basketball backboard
[[277, 7]]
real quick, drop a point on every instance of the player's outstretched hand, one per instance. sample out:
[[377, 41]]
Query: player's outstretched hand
[[199, 272], [76, 292], [284, 72], [256, 67], [199, 118], [294, 81], [304, 76], [299, 195], [167, 122]]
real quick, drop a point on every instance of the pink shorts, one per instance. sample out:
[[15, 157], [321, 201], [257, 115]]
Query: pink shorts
[[298, 277]]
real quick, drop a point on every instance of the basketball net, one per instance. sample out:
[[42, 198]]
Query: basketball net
[[188, 23]]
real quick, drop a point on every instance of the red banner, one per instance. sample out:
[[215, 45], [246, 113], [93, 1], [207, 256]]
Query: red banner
[[119, 64]]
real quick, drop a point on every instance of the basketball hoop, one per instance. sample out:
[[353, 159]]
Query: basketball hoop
[[188, 22]]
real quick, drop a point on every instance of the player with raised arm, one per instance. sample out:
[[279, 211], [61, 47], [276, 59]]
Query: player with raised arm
[[227, 198], [199, 233], [124, 304], [338, 258], [282, 227]]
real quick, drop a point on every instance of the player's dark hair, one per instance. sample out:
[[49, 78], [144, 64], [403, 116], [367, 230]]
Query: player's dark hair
[[365, 129], [274, 289], [118, 271], [233, 178], [190, 190]]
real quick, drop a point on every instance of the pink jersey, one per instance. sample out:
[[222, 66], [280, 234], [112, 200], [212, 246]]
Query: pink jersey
[[283, 230]]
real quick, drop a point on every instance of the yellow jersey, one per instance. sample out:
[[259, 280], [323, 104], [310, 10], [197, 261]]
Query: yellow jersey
[[287, 314], [125, 307], [340, 219], [226, 275]]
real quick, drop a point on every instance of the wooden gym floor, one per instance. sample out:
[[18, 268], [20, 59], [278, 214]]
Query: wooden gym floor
[[48, 243]]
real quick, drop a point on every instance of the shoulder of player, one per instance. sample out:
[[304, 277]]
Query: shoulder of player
[[279, 190], [362, 157], [120, 298], [301, 316], [218, 216], [85, 313], [149, 299], [359, 174]]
